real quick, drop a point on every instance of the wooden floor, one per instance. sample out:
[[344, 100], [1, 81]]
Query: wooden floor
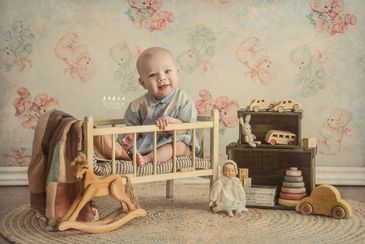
[[14, 196]]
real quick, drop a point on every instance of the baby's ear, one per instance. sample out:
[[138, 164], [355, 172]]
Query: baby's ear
[[141, 82]]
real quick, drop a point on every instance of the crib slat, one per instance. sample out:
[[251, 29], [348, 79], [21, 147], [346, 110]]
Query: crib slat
[[203, 141], [113, 153], [174, 151], [155, 153], [135, 154], [193, 149]]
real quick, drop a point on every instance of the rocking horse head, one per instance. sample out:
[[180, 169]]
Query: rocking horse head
[[80, 165]]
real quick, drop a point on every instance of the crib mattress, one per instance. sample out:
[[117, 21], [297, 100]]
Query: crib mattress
[[104, 168]]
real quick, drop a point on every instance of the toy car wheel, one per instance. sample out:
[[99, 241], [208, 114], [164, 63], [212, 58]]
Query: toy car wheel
[[305, 208], [280, 109], [295, 107], [271, 106], [338, 212], [256, 109], [273, 142], [290, 142]]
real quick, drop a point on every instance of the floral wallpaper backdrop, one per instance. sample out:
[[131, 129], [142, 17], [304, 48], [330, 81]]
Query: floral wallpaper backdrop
[[79, 56]]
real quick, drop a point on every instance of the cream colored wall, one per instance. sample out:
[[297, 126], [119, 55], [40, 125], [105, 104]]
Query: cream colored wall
[[75, 54]]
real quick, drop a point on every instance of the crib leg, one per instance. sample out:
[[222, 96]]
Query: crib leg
[[169, 188], [211, 181]]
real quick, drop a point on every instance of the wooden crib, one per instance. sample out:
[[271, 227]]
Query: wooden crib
[[115, 127]]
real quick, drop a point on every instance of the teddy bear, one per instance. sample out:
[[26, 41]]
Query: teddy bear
[[123, 57], [148, 14], [310, 71], [332, 132], [256, 60], [329, 16], [76, 57]]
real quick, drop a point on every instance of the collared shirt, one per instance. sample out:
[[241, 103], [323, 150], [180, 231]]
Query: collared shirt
[[146, 109]]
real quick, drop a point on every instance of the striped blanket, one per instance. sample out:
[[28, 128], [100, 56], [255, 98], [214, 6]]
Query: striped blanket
[[104, 167]]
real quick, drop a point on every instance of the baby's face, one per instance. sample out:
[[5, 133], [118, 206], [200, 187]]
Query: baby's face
[[229, 170], [159, 74]]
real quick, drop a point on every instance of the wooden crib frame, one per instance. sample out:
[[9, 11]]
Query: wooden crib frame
[[91, 129]]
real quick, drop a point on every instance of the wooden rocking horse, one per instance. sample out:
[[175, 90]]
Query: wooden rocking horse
[[93, 187]]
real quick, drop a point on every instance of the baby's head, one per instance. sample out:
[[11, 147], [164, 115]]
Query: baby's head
[[230, 169], [158, 72]]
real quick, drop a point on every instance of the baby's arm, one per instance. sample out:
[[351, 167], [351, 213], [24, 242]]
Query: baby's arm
[[164, 121]]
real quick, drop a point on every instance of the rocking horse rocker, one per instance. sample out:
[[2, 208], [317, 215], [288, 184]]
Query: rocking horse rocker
[[93, 187]]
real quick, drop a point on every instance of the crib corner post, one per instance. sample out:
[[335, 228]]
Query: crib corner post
[[88, 138], [214, 144]]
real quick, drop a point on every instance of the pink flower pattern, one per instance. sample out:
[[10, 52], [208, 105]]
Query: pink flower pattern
[[17, 157], [204, 105], [226, 107], [227, 110], [29, 111]]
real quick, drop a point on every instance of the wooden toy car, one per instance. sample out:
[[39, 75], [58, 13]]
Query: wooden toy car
[[287, 105], [325, 200], [260, 104], [280, 137]]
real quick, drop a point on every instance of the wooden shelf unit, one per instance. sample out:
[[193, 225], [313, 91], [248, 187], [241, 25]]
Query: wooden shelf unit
[[267, 165]]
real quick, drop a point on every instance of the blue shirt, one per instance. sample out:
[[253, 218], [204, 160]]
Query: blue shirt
[[145, 110]]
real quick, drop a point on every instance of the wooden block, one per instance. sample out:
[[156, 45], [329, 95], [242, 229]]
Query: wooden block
[[309, 142], [243, 173], [246, 182], [292, 196], [293, 184], [293, 190]]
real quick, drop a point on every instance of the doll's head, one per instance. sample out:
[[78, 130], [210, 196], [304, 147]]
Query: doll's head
[[158, 72], [230, 169]]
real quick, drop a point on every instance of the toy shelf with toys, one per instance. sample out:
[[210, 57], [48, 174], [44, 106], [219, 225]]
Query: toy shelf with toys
[[270, 148], [264, 122]]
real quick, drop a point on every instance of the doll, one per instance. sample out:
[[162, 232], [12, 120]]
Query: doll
[[227, 193]]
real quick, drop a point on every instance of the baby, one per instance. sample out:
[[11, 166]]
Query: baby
[[163, 104], [227, 193]]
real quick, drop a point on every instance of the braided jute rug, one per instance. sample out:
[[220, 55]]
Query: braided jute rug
[[187, 219]]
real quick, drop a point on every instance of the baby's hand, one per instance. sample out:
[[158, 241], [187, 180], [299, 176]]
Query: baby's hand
[[163, 122]]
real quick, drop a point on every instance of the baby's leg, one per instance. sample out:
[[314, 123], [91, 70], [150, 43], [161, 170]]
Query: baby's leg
[[164, 153], [103, 148]]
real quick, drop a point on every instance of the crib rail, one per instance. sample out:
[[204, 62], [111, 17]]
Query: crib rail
[[206, 122]]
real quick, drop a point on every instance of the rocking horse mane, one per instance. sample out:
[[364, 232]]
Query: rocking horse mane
[[80, 159]]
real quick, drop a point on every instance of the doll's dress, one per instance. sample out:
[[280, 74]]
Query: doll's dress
[[228, 195]]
